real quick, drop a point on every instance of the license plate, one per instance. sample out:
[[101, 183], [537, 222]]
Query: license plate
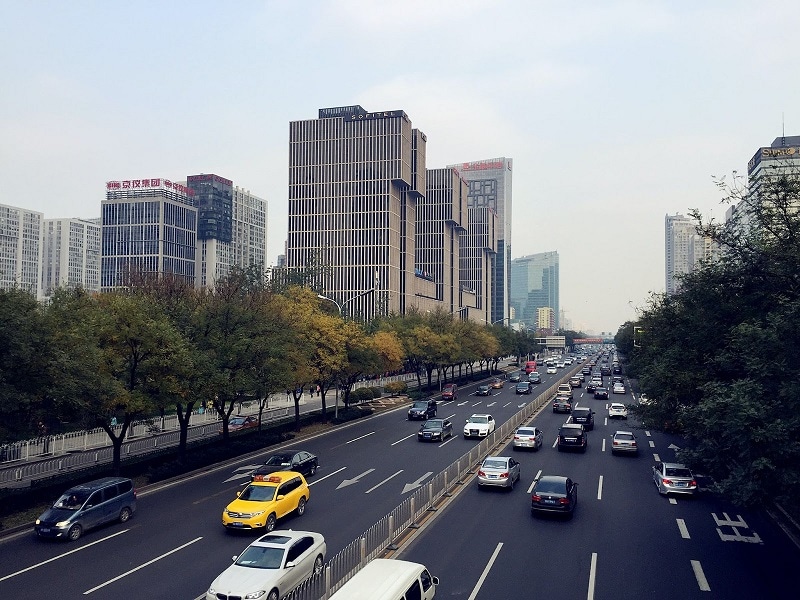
[[236, 524], [492, 476], [44, 529], [571, 439], [549, 501], [680, 484]]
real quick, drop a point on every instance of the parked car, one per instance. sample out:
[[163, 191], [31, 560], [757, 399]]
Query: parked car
[[562, 404], [572, 436], [673, 478], [501, 471], [422, 409], [261, 503], [288, 460], [523, 387], [271, 566], [535, 377], [584, 416], [479, 425], [450, 392], [86, 506], [435, 430], [554, 494], [625, 442], [528, 437], [483, 390], [617, 410]]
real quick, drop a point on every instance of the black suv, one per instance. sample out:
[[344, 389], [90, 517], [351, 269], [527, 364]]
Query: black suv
[[422, 410], [605, 370], [572, 435], [584, 416]]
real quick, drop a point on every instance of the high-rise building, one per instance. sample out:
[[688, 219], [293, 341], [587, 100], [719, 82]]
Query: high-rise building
[[535, 285], [149, 226], [71, 257], [355, 178], [21, 248], [490, 186], [546, 319], [249, 229], [213, 197], [679, 233], [478, 256]]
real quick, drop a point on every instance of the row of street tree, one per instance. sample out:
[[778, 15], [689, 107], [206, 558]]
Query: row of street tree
[[721, 358], [105, 360]]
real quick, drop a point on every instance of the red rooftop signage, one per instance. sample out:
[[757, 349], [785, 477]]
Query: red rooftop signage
[[134, 184]]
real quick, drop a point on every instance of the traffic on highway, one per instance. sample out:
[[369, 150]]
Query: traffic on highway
[[612, 535]]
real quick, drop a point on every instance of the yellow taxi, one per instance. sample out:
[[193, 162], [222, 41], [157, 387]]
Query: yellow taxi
[[497, 383], [265, 500]]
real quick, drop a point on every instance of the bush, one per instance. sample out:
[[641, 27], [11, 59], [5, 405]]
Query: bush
[[360, 395], [350, 414], [396, 387], [376, 392]]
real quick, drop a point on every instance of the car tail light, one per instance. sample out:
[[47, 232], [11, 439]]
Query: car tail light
[[536, 498], [503, 475], [616, 443], [481, 474], [694, 483], [516, 437], [666, 481], [633, 443], [563, 500]]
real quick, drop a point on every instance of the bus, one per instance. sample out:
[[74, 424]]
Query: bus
[[530, 367]]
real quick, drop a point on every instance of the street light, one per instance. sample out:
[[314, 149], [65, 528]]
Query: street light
[[500, 320], [343, 304]]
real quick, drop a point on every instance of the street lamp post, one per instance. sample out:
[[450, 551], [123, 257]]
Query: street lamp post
[[500, 320]]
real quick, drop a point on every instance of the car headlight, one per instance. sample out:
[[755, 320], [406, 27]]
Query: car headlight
[[38, 522], [257, 594], [62, 523]]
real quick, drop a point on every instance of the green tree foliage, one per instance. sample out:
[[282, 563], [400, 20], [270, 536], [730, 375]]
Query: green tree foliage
[[721, 358]]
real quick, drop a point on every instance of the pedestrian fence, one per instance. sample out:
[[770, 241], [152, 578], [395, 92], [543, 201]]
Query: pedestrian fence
[[383, 537]]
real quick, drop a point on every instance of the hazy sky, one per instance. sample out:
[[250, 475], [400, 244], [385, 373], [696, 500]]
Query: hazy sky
[[615, 113]]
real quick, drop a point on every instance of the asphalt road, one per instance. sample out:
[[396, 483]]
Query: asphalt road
[[624, 541]]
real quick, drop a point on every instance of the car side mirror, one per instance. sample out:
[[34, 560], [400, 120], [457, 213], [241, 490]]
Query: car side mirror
[[435, 580], [290, 564], [234, 557], [280, 497], [238, 494]]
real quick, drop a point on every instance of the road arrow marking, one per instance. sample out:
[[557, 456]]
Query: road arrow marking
[[418, 483], [491, 404], [673, 447], [346, 482], [520, 405], [242, 472]]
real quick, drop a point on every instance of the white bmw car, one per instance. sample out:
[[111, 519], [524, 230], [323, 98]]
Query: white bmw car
[[271, 566], [479, 426], [617, 410]]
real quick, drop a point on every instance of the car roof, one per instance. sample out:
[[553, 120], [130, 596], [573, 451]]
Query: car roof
[[277, 477], [623, 432], [675, 465], [281, 537], [480, 415], [573, 425], [552, 478]]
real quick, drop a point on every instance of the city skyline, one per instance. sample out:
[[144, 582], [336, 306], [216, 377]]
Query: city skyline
[[615, 113]]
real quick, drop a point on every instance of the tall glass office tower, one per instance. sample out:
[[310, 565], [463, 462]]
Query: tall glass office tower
[[535, 285]]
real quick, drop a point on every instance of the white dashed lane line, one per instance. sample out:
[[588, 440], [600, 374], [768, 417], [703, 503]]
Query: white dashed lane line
[[702, 582], [682, 528], [600, 488]]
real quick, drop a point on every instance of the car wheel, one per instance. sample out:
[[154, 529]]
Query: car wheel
[[273, 595], [74, 532], [511, 485], [301, 507], [124, 514], [313, 469], [270, 524], [318, 564]]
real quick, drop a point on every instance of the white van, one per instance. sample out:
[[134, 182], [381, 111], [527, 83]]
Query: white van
[[389, 579]]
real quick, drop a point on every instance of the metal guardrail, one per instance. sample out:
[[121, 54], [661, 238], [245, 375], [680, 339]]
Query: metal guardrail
[[381, 537]]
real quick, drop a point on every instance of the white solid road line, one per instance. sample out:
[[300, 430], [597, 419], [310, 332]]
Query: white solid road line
[[600, 488], [49, 560], [682, 529], [702, 582], [533, 483], [592, 576], [142, 566], [375, 487], [401, 439], [310, 483], [486, 570]]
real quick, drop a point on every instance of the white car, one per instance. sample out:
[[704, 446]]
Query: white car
[[560, 364], [617, 410], [552, 369], [479, 426], [271, 566], [618, 388]]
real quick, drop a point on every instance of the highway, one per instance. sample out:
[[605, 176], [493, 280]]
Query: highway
[[625, 539]]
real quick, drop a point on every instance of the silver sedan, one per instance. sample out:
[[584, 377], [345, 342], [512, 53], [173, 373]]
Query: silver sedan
[[673, 478], [528, 437], [500, 471]]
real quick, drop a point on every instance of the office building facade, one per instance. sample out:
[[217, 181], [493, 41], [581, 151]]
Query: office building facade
[[355, 178], [679, 234], [149, 227], [535, 285], [21, 249], [490, 185], [71, 256], [477, 260]]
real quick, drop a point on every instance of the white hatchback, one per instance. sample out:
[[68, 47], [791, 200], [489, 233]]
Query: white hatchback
[[617, 410]]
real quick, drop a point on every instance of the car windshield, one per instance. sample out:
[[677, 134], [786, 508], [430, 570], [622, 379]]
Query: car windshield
[[675, 472], [570, 431], [550, 487], [522, 431], [483, 420], [432, 425], [493, 463], [420, 405], [258, 493], [72, 500], [623, 436], [279, 460], [236, 421], [261, 557]]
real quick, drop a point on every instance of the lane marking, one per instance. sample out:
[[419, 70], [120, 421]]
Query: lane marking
[[656, 457], [401, 439], [592, 576], [486, 569], [647, 433], [682, 528], [142, 566], [673, 501], [604, 445], [356, 479], [384, 481], [477, 403], [49, 560], [533, 483], [605, 420], [652, 444], [310, 483], [360, 437], [452, 437], [600, 488], [555, 443], [702, 582]]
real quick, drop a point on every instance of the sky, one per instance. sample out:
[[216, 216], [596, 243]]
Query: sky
[[615, 113]]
